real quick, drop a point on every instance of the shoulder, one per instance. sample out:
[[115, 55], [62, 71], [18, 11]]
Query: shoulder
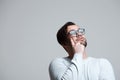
[[93, 60], [105, 64], [58, 61], [106, 70], [101, 62]]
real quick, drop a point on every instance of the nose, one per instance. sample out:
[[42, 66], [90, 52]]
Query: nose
[[78, 34]]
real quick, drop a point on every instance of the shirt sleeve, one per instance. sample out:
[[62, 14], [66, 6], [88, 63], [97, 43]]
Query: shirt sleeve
[[58, 70], [107, 72]]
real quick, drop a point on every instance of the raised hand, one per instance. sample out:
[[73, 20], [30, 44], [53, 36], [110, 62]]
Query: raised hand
[[77, 46]]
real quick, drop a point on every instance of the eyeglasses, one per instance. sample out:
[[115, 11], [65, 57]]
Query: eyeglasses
[[80, 31]]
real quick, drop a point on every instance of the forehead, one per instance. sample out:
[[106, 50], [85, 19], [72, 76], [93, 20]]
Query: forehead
[[72, 27]]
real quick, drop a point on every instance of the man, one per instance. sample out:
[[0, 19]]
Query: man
[[78, 66]]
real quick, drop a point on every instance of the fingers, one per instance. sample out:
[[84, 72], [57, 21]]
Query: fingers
[[78, 41], [72, 41], [76, 46]]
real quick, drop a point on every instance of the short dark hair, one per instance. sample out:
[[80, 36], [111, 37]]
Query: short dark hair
[[62, 33]]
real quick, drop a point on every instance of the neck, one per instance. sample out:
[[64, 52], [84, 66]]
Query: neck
[[72, 54], [84, 55]]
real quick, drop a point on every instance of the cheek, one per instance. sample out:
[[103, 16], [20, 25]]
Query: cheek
[[74, 38], [68, 41]]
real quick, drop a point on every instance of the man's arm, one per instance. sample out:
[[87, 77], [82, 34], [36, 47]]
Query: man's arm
[[58, 70]]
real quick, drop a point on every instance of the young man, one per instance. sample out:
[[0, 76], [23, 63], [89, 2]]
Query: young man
[[78, 66]]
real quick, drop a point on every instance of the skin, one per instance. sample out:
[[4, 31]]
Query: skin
[[76, 45]]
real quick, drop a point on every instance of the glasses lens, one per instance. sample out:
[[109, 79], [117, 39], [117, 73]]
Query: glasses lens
[[72, 33], [82, 31]]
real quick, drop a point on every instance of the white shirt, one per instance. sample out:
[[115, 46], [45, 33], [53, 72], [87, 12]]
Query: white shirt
[[79, 69]]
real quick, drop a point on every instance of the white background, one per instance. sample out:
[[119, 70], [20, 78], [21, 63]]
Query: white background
[[28, 34]]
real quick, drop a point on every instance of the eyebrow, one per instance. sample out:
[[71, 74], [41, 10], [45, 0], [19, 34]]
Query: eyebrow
[[74, 29]]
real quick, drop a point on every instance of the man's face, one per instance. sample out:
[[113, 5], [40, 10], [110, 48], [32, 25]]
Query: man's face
[[77, 34]]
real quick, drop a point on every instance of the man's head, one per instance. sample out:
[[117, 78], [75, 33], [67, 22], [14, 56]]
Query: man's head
[[71, 30]]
